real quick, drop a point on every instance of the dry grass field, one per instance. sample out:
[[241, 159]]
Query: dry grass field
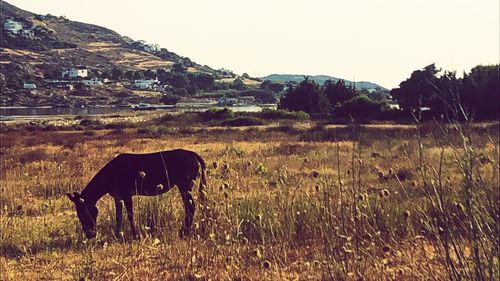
[[285, 202]]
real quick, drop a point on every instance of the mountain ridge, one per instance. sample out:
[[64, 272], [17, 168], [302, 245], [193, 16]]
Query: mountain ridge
[[320, 79]]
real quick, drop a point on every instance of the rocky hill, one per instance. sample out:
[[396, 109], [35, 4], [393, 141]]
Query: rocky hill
[[51, 42]]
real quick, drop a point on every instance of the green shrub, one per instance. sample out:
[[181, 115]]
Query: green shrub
[[283, 114], [242, 121], [217, 114]]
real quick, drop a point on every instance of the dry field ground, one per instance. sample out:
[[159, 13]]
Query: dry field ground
[[284, 203]]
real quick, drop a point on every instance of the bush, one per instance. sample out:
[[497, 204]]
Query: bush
[[361, 108], [243, 121], [217, 114], [274, 114]]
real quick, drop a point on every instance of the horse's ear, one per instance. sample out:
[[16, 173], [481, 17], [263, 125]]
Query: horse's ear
[[77, 197]]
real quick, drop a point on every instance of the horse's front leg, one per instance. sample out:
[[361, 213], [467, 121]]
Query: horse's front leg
[[119, 216], [130, 214]]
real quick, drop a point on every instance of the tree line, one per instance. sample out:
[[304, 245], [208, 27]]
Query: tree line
[[429, 93]]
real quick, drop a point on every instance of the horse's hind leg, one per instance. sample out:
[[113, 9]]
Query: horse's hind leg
[[189, 208]]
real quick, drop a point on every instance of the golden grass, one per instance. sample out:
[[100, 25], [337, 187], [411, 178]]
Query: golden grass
[[275, 212]]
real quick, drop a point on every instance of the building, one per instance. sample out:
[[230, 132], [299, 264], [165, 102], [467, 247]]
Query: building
[[148, 47], [92, 82], [28, 85], [75, 73], [27, 33], [12, 26], [145, 84], [152, 48]]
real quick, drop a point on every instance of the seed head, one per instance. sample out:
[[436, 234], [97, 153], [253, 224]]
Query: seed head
[[215, 164], [406, 214], [384, 192], [361, 197], [256, 253], [249, 163], [225, 167], [459, 206], [315, 174], [142, 174], [386, 248], [266, 264]]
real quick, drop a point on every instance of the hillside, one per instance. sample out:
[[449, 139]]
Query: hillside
[[320, 79], [47, 41]]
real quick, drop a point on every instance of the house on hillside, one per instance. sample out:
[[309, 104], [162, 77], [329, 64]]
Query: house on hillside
[[27, 33], [29, 85], [146, 84], [60, 84], [13, 26], [92, 82], [148, 47], [75, 72]]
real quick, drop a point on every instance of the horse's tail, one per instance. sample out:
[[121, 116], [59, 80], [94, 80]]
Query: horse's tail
[[203, 181]]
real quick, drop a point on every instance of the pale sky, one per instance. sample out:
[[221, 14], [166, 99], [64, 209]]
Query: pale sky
[[366, 40]]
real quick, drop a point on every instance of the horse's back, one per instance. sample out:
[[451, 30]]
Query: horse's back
[[152, 170]]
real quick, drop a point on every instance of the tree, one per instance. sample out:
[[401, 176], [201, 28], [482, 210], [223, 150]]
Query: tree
[[150, 74], [178, 68], [138, 75], [417, 91], [480, 90], [238, 84], [276, 87], [169, 99], [202, 80], [361, 108], [338, 92], [307, 97], [179, 81], [163, 75], [129, 75], [116, 74]]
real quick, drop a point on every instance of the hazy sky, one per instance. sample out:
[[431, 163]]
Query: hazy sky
[[366, 40]]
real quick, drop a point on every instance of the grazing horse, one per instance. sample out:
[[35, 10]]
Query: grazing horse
[[141, 174]]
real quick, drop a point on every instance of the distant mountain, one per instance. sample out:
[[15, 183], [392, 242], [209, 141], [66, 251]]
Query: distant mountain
[[320, 79]]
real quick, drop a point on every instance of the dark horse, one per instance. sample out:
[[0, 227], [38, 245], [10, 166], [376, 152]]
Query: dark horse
[[141, 174]]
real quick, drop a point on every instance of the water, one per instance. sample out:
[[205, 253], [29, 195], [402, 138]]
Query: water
[[43, 111], [22, 112]]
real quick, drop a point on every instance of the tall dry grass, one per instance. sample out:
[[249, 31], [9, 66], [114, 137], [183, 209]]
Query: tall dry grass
[[286, 202]]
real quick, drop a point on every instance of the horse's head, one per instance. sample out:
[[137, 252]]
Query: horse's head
[[87, 213]]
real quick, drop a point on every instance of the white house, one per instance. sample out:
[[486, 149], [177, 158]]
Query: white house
[[75, 72], [92, 82], [27, 33], [152, 48], [12, 26], [149, 47], [145, 84], [29, 85]]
